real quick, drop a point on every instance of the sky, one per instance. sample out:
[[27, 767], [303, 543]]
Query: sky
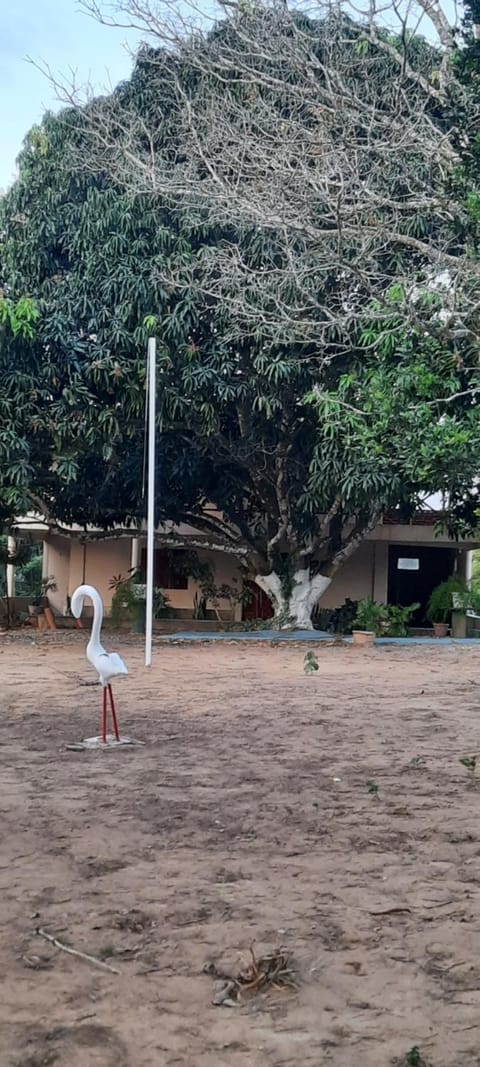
[[55, 32]]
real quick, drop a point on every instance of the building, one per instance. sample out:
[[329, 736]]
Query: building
[[398, 563]]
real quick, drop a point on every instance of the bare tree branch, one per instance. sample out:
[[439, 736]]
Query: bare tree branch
[[320, 132]]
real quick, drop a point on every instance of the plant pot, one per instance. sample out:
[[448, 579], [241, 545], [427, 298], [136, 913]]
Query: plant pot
[[440, 629], [363, 638]]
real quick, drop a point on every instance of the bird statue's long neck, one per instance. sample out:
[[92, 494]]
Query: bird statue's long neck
[[97, 618], [77, 606]]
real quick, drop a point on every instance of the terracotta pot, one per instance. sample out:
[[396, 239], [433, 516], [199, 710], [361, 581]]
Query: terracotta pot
[[363, 638], [440, 629]]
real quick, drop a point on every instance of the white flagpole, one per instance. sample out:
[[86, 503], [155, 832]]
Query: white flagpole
[[152, 350]]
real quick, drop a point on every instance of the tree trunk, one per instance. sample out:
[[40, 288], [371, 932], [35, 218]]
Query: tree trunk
[[294, 598]]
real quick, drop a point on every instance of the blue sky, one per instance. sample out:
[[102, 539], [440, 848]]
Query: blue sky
[[56, 32]]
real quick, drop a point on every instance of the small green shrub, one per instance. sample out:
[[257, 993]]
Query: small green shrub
[[397, 619], [369, 616], [390, 620], [470, 763], [128, 608], [310, 663], [336, 620]]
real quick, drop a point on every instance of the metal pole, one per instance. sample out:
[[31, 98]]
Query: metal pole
[[11, 549], [152, 347]]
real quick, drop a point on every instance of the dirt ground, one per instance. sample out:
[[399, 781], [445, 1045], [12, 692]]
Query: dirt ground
[[246, 818]]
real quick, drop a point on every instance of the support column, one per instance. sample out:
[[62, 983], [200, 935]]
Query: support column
[[44, 560], [464, 571], [135, 554], [380, 572]]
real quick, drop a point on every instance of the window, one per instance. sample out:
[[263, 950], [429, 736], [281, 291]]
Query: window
[[170, 570]]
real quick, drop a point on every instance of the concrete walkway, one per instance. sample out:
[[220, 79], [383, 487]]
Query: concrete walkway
[[308, 635]]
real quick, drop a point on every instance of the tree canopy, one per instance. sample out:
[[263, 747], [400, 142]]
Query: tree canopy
[[282, 201]]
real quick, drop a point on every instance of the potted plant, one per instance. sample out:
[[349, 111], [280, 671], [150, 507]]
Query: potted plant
[[161, 606], [441, 604], [39, 602], [129, 602], [367, 622]]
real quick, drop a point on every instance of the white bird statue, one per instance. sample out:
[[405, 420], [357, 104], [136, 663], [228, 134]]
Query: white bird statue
[[107, 664]]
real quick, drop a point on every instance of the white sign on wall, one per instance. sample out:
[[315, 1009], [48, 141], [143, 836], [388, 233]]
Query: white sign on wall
[[408, 564]]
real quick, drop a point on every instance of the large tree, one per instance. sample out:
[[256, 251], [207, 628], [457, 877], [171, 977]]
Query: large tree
[[21, 401], [278, 199]]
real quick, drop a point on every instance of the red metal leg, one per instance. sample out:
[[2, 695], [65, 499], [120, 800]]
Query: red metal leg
[[104, 716], [114, 714]]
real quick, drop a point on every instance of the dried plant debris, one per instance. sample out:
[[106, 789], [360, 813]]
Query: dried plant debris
[[134, 921], [274, 971]]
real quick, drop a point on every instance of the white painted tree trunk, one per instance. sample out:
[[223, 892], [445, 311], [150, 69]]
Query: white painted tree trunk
[[294, 611]]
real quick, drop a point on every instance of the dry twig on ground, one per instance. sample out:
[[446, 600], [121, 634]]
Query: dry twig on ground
[[75, 952]]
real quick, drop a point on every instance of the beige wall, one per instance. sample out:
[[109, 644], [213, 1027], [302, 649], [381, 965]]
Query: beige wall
[[225, 570], [95, 563], [416, 535], [56, 564], [365, 574]]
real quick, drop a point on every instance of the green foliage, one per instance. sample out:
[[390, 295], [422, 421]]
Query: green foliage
[[476, 569], [211, 593], [470, 763], [128, 601], [336, 620], [449, 594], [310, 663], [369, 616], [19, 317], [372, 788], [28, 577], [389, 620], [397, 619], [387, 431], [126, 609], [27, 561]]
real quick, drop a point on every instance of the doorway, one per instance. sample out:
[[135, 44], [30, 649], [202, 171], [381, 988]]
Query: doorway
[[257, 604], [413, 573]]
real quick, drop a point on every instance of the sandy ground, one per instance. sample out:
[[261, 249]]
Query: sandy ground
[[246, 818]]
